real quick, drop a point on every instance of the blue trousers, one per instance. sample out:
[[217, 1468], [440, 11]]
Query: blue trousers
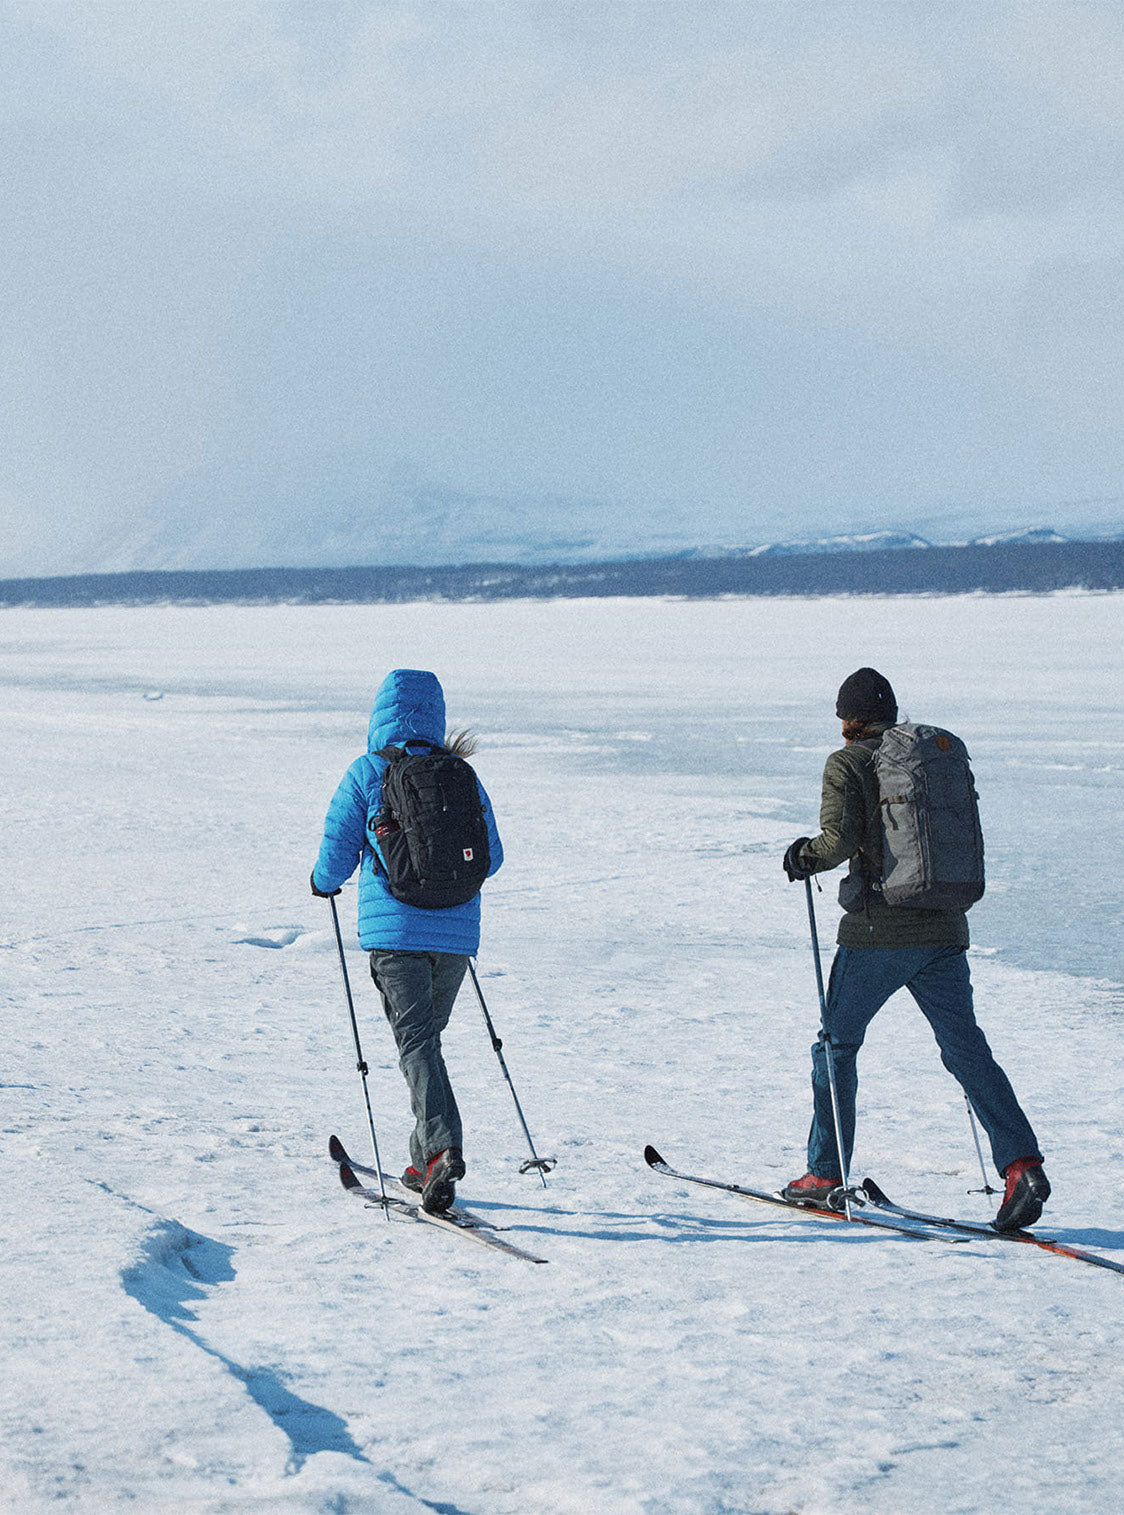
[[862, 980], [418, 990]]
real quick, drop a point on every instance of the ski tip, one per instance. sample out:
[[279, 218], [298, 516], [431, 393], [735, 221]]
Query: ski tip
[[336, 1150], [874, 1193], [652, 1157], [348, 1178]]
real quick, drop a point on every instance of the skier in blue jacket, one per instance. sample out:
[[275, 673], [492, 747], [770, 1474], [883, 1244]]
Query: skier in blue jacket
[[418, 957]]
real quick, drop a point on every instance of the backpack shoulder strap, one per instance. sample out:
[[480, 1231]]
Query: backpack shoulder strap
[[391, 753]]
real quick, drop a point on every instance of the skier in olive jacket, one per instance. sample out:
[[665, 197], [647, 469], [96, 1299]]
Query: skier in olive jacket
[[418, 957], [883, 948]]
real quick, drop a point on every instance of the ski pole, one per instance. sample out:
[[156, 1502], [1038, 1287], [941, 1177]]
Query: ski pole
[[830, 1056], [987, 1189], [541, 1165], [360, 1064]]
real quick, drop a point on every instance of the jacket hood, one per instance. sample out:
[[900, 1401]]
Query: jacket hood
[[410, 702]]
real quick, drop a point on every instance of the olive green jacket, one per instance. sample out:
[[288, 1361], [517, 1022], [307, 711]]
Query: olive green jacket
[[851, 830]]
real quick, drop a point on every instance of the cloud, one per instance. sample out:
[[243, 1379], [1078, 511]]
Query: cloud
[[788, 261]]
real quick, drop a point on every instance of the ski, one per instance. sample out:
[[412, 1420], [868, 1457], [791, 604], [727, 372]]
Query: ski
[[339, 1154], [463, 1224], [911, 1227], [983, 1228]]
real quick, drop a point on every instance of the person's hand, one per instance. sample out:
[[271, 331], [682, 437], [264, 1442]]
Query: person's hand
[[792, 864], [321, 894]]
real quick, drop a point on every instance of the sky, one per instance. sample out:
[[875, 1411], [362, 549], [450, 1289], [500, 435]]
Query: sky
[[315, 282]]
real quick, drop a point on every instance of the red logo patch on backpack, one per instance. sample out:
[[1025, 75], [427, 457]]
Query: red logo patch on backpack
[[468, 854]]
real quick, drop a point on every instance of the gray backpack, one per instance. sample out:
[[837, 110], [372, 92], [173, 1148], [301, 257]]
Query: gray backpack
[[932, 845]]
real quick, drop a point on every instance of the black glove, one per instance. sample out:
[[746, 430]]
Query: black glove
[[792, 864], [321, 894]]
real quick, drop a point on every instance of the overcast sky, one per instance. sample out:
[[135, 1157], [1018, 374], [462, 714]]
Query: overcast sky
[[790, 265]]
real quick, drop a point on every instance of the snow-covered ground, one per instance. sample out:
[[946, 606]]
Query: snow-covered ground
[[197, 1318]]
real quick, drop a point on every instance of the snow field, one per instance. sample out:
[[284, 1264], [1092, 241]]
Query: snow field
[[199, 1319]]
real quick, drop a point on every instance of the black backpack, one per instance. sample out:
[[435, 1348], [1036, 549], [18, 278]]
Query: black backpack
[[429, 829]]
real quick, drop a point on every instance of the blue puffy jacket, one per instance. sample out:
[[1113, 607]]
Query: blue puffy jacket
[[410, 703]]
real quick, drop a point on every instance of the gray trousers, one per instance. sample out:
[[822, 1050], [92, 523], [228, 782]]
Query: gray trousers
[[418, 990]]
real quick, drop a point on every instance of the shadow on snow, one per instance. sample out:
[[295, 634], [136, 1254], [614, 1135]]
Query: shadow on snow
[[171, 1275], [169, 1278]]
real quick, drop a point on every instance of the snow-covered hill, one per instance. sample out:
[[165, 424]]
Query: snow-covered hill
[[325, 524], [866, 541], [433, 527], [1029, 534], [335, 510]]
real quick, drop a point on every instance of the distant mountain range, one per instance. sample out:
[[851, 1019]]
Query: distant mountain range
[[389, 522], [335, 511], [989, 566], [891, 541], [434, 528], [331, 513]]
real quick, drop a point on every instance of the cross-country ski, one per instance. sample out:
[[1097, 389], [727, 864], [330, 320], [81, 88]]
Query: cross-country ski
[[980, 1228], [460, 1222], [338, 1154], [912, 1226]]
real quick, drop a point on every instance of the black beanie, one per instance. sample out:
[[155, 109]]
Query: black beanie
[[866, 696]]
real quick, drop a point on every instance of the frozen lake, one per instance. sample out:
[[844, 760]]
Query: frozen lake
[[199, 1319], [740, 692]]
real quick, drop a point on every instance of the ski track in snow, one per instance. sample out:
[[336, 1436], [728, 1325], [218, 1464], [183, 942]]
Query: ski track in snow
[[198, 1319]]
